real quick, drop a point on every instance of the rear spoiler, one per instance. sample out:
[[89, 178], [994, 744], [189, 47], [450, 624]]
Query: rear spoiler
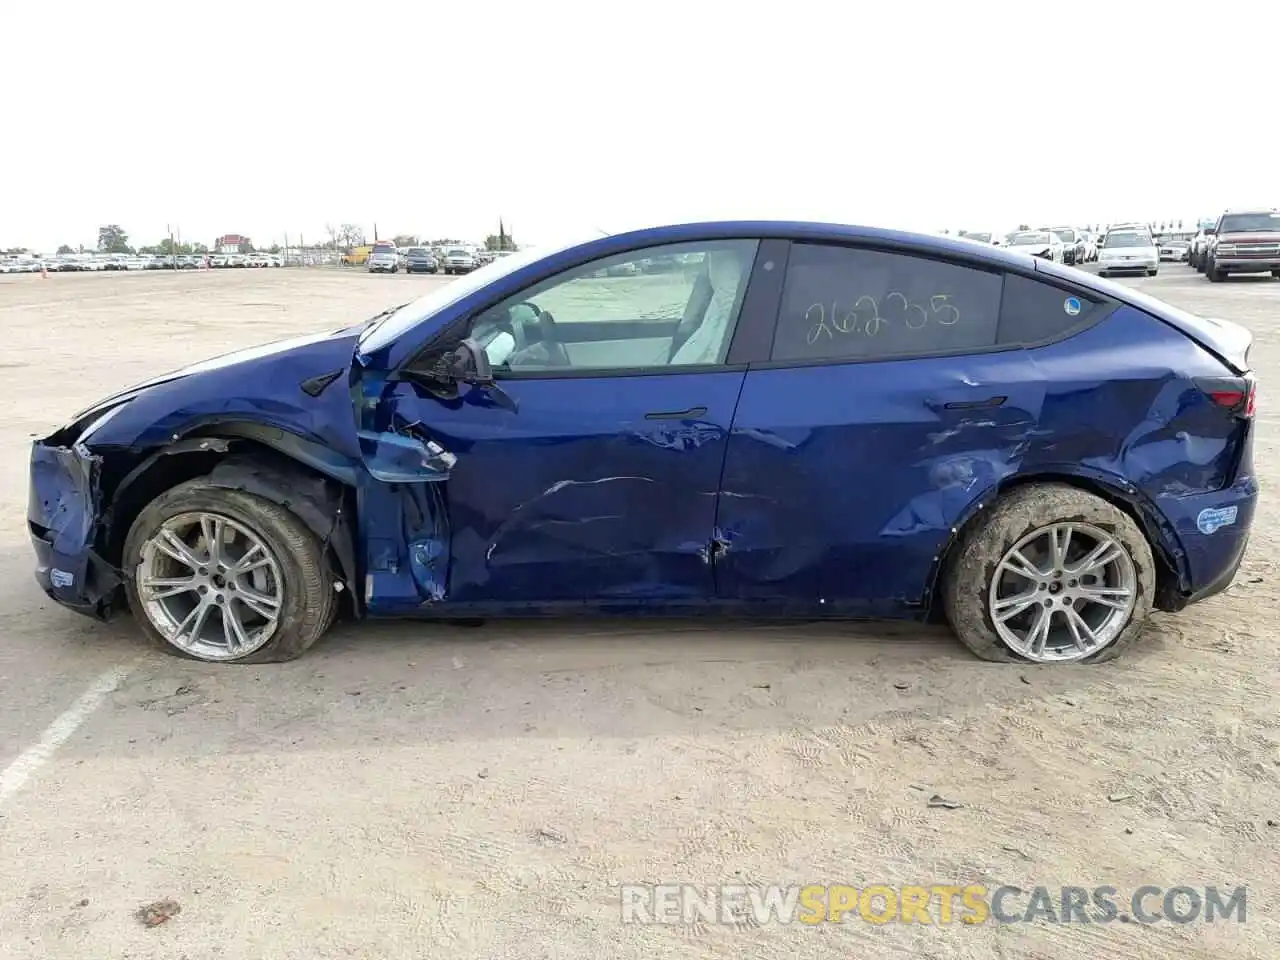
[[1228, 341]]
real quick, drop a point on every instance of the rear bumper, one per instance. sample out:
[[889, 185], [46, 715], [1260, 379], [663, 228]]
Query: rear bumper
[[1213, 532]]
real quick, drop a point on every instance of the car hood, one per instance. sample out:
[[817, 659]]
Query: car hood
[[1032, 248], [226, 361], [1272, 236]]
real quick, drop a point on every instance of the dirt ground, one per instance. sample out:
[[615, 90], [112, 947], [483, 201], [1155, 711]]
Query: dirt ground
[[421, 791]]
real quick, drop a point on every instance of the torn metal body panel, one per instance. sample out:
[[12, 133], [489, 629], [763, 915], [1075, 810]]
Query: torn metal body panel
[[63, 510], [82, 473], [576, 497]]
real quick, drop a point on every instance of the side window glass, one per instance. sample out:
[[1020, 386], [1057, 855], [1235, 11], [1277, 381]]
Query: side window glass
[[1032, 311], [670, 306], [846, 303]]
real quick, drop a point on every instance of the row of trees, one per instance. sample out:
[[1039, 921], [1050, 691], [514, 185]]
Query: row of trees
[[113, 239], [347, 235]]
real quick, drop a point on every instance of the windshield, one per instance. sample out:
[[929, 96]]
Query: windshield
[[417, 252], [386, 331], [383, 248], [1021, 239], [1251, 223], [458, 252], [1066, 236], [1128, 239]]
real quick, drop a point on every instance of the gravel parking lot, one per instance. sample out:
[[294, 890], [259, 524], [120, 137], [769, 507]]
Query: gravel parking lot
[[419, 791]]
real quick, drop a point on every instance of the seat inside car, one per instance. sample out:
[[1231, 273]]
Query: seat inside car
[[700, 336]]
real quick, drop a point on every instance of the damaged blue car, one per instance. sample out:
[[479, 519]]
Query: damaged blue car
[[748, 419]]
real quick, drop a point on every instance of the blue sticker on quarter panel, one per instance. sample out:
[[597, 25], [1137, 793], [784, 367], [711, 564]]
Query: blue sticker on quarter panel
[[1212, 519]]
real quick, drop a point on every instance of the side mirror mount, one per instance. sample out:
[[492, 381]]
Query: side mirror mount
[[468, 363]]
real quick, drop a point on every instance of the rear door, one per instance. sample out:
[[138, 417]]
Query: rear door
[[886, 410]]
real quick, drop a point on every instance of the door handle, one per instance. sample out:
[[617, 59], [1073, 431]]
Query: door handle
[[690, 414], [975, 404]]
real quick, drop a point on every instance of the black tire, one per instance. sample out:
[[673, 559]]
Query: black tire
[[1152, 273], [974, 560], [310, 602], [1213, 273], [1275, 274]]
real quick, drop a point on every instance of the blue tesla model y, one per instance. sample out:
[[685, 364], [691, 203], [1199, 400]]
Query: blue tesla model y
[[748, 419]]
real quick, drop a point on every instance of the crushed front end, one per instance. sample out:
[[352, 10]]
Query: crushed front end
[[63, 515]]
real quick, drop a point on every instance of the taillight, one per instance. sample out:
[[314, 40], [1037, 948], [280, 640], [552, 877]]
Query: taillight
[[1237, 394]]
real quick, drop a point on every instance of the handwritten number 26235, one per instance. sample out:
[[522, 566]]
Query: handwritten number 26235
[[866, 316]]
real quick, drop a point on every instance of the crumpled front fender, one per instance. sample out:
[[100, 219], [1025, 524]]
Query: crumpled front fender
[[63, 515]]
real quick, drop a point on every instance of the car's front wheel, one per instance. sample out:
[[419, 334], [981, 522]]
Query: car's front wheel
[[222, 575], [1052, 575]]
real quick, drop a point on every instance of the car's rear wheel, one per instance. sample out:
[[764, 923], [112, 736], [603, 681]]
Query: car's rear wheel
[[225, 576], [1052, 575]]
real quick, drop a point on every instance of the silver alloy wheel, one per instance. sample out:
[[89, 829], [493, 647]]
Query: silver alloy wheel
[[1062, 593], [211, 586]]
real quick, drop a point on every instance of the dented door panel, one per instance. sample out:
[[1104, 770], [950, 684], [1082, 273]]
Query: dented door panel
[[577, 494], [843, 481]]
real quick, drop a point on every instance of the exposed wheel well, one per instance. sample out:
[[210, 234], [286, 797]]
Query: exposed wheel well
[[326, 506], [1167, 580]]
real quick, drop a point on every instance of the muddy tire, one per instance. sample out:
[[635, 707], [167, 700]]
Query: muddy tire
[[969, 594], [295, 589]]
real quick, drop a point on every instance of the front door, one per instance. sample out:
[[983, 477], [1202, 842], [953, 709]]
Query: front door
[[591, 474]]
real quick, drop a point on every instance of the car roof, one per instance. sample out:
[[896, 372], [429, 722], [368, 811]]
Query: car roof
[[813, 231], [817, 231]]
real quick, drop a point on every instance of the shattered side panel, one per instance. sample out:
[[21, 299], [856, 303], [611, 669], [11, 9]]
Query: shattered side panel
[[256, 394], [569, 492], [62, 514], [843, 482]]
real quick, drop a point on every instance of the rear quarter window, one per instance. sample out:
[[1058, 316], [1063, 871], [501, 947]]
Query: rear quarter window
[[843, 303], [1034, 312]]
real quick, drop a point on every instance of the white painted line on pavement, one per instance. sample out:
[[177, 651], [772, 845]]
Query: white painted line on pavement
[[16, 774]]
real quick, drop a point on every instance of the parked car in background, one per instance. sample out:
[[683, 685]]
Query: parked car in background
[[1128, 251], [1072, 244], [984, 236], [1090, 245], [1245, 241], [459, 260], [1175, 251], [1044, 244], [420, 260], [427, 462], [384, 258]]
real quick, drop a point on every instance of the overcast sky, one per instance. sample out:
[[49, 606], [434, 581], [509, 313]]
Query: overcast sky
[[274, 118]]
